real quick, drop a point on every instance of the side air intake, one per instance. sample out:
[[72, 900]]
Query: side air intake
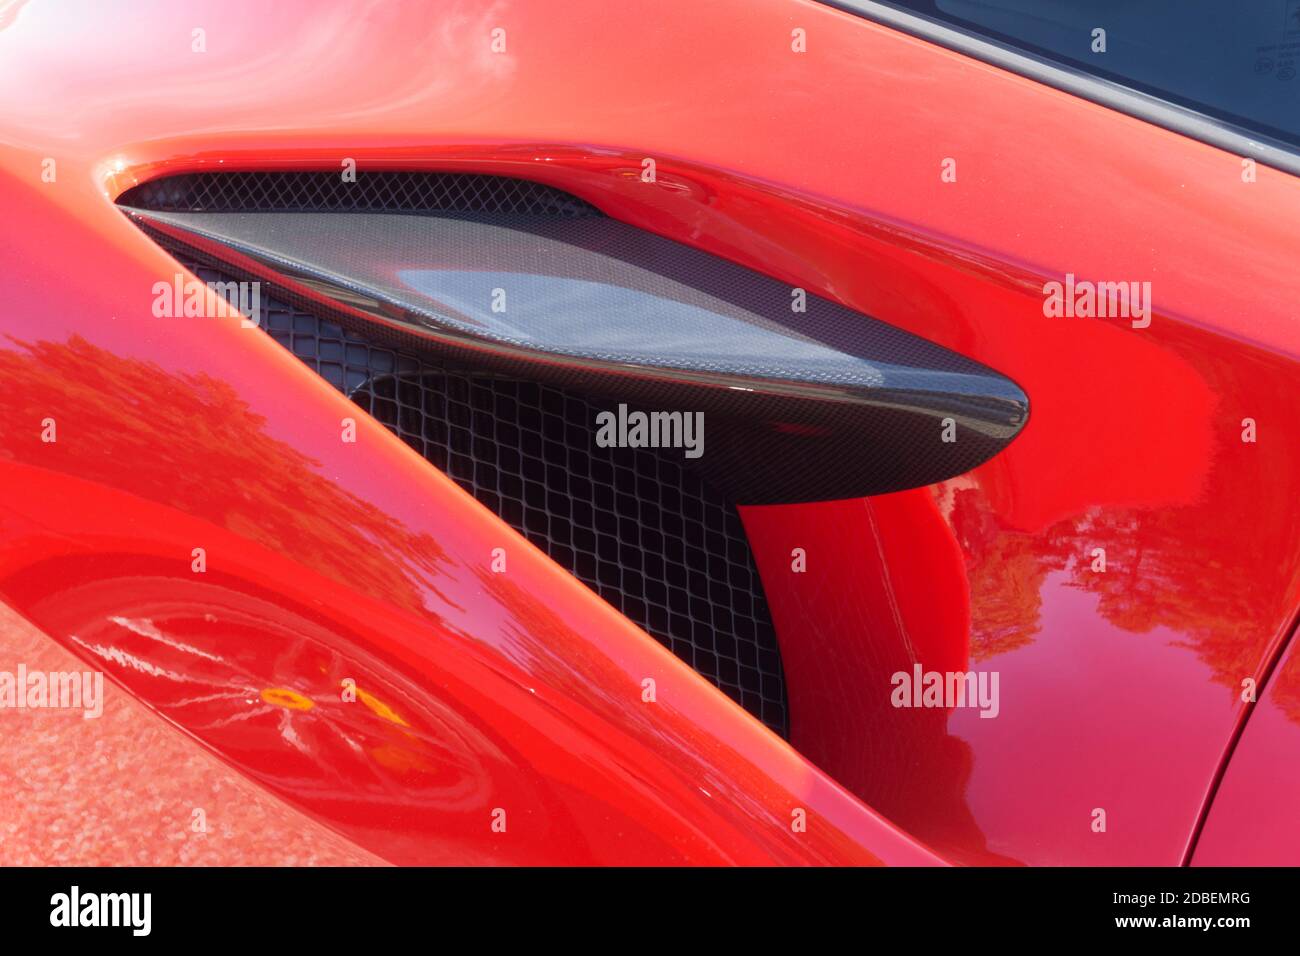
[[806, 399], [489, 321], [649, 536], [371, 192]]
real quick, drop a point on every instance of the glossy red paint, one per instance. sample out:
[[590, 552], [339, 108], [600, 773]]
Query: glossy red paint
[[472, 692], [1118, 690], [1252, 819]]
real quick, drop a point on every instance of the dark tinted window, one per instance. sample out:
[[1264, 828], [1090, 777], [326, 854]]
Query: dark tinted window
[[1234, 61]]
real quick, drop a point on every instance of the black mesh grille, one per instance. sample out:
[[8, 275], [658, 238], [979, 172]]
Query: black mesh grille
[[647, 535], [372, 192]]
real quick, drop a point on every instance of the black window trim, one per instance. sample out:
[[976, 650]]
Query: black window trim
[[1244, 143]]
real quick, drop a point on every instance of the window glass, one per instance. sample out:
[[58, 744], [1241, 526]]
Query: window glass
[[1237, 62]]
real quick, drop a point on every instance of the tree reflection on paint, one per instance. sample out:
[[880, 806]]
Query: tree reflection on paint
[[133, 425]]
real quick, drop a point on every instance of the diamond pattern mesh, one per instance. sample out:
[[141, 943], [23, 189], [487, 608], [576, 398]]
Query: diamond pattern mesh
[[372, 192], [647, 535]]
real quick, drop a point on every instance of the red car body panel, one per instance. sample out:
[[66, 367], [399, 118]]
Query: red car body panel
[[1253, 814], [1121, 690]]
